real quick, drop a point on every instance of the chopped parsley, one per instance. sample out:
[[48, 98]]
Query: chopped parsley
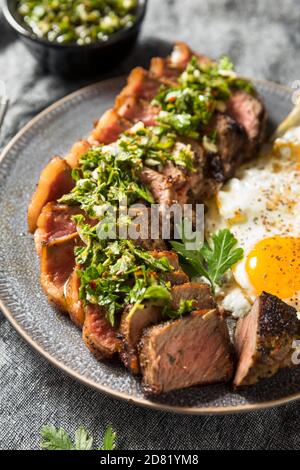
[[80, 21], [114, 272], [108, 174], [117, 273], [202, 89]]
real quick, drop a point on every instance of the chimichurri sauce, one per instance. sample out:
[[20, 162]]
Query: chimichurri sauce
[[82, 22]]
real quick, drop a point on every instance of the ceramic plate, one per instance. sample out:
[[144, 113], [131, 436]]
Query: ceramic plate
[[22, 299]]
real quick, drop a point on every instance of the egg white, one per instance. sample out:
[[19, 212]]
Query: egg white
[[262, 201]]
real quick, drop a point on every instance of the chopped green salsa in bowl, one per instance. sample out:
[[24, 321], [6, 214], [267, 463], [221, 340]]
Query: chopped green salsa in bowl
[[79, 21], [76, 37]]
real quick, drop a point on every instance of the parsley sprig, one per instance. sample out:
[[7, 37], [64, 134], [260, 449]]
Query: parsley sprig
[[58, 439], [213, 260]]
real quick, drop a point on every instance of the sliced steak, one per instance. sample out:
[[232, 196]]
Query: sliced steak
[[178, 179], [232, 145], [55, 239], [176, 175], [180, 56], [263, 339], [57, 264], [186, 351], [161, 188], [199, 292], [55, 181], [133, 322], [139, 84], [139, 230], [75, 306], [176, 278], [162, 70], [77, 150], [98, 334], [132, 104], [193, 350], [149, 244], [134, 110], [168, 187], [108, 128], [167, 70], [55, 221], [199, 187], [249, 112]]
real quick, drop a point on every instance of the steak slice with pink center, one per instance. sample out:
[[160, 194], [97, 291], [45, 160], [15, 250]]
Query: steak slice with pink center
[[264, 339], [193, 350]]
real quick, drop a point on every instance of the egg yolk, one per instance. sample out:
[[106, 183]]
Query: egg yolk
[[274, 266]]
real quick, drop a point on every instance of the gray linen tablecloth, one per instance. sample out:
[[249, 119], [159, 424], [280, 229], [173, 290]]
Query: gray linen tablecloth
[[263, 37]]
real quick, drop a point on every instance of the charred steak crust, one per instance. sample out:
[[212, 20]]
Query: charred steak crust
[[194, 350], [278, 317], [232, 143], [264, 339]]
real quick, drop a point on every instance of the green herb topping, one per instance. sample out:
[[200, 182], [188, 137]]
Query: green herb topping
[[114, 272], [118, 273], [80, 21], [111, 173], [202, 89]]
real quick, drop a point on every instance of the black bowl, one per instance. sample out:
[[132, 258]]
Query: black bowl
[[71, 59]]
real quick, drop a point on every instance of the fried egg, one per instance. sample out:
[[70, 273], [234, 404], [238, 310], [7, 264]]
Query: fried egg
[[261, 207]]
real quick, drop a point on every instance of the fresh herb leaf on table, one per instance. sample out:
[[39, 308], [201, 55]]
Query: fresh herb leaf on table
[[55, 439], [211, 261], [82, 440], [109, 440], [58, 439]]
